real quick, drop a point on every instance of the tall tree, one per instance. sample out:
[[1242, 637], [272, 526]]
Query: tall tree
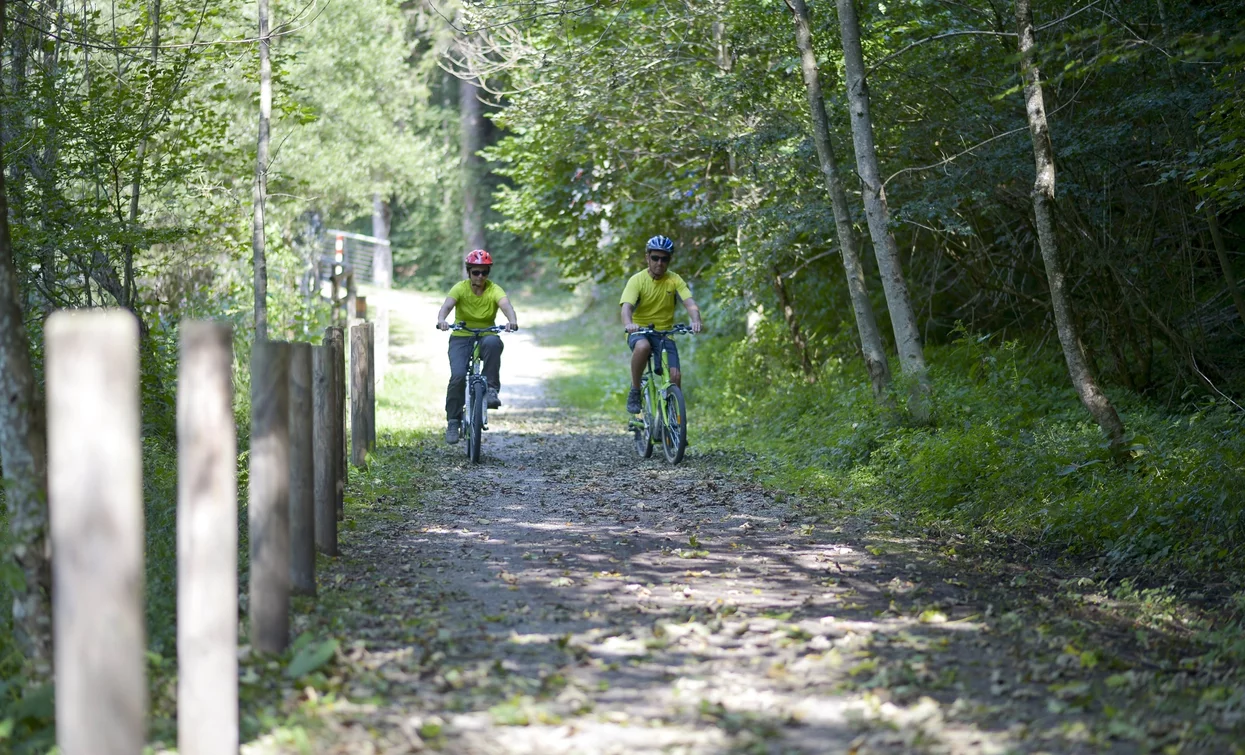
[[1083, 378], [885, 250], [471, 123], [866, 324], [23, 453], [260, 196]]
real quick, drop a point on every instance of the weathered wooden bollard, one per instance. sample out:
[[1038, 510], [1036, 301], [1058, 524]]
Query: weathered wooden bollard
[[335, 339], [325, 451], [362, 395], [302, 474], [207, 543], [269, 497], [95, 493]]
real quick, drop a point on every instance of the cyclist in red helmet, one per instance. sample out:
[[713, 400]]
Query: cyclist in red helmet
[[475, 301]]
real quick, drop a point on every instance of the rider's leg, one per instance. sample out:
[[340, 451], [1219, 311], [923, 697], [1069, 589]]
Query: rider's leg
[[672, 362], [640, 353], [460, 362], [490, 353]]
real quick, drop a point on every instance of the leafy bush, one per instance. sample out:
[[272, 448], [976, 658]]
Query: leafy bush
[[1011, 453]]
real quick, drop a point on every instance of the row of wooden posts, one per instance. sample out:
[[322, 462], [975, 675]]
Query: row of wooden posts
[[296, 481]]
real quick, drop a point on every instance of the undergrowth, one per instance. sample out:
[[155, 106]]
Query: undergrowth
[[1011, 453]]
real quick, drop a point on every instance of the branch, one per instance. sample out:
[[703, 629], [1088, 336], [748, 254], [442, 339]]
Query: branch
[[977, 32]]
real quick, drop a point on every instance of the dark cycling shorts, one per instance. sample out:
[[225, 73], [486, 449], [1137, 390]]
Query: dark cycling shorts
[[672, 351]]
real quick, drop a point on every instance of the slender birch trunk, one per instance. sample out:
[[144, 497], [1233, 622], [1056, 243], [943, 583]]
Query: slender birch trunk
[[866, 324], [23, 455], [139, 157], [1083, 379], [903, 317], [261, 178], [793, 325], [471, 125]]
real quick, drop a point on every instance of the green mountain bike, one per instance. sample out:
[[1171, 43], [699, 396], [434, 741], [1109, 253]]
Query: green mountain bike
[[663, 418], [475, 408]]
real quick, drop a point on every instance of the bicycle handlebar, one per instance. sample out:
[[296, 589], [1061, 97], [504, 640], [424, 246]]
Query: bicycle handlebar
[[479, 331], [679, 329]]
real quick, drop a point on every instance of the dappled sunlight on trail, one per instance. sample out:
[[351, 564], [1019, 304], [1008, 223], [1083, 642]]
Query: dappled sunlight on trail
[[563, 596]]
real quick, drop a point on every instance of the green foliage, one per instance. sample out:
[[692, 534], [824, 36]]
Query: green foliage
[[1010, 455]]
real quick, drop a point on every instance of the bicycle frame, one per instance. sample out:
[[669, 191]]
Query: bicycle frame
[[664, 415], [475, 407]]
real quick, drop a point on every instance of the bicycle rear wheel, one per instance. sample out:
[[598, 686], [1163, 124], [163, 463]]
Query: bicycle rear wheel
[[674, 419], [644, 433], [475, 410]]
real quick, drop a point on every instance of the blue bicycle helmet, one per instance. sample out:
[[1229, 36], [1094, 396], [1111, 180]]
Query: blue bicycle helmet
[[659, 243]]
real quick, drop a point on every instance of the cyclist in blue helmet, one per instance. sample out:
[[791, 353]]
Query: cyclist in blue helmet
[[649, 299]]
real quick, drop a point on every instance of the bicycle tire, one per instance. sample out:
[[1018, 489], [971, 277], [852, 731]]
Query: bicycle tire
[[476, 412], [674, 419], [644, 434]]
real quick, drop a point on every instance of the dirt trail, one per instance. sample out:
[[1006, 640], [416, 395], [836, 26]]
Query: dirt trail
[[564, 597]]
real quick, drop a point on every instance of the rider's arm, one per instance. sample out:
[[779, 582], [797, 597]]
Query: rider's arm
[[693, 312], [627, 309], [445, 312], [508, 311]]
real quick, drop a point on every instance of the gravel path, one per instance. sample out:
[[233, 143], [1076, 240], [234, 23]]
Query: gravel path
[[565, 597]]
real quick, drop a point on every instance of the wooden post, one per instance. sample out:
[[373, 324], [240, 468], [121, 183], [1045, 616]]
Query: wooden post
[[370, 385], [382, 344], [95, 495], [325, 451], [269, 491], [352, 291], [360, 312], [335, 337], [361, 409], [207, 543], [302, 474], [336, 297]]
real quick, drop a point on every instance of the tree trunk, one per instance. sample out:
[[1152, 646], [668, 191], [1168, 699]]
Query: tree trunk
[[1083, 379], [793, 324], [381, 216], [471, 128], [23, 455], [1221, 251], [866, 324], [137, 179], [261, 178], [903, 318]]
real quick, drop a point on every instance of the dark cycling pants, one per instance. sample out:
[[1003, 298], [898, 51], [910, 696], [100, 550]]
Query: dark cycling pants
[[672, 352], [460, 362]]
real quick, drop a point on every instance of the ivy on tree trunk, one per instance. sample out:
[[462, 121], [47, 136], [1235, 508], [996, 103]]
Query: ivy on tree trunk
[[23, 454]]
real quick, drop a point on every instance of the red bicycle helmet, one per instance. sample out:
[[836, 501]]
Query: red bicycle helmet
[[479, 257]]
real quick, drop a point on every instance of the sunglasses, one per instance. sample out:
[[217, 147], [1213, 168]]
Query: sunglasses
[[476, 273], [659, 257]]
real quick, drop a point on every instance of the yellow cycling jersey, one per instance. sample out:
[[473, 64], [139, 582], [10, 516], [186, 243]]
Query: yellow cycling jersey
[[654, 299], [475, 311]]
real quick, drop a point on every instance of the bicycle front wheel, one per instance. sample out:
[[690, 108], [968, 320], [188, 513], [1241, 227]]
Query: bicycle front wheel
[[674, 419], [475, 410], [644, 433]]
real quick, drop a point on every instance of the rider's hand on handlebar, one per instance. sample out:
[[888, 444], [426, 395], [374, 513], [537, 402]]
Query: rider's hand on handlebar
[[696, 326], [512, 327], [631, 327], [442, 325]]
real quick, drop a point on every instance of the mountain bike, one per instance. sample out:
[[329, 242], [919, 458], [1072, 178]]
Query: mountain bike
[[475, 409], [663, 418]]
